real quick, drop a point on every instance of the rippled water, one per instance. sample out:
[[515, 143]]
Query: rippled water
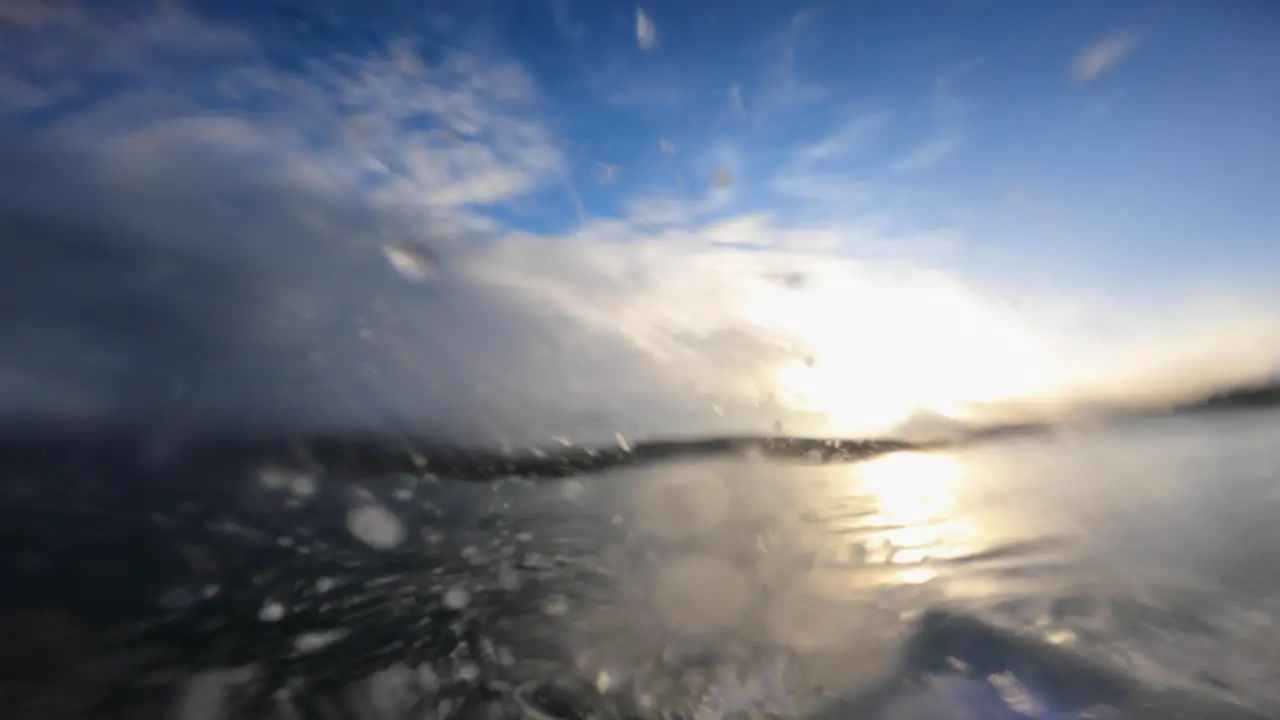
[[720, 585], [1151, 547]]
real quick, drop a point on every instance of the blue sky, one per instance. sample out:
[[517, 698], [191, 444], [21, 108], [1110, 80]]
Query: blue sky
[[1091, 183]]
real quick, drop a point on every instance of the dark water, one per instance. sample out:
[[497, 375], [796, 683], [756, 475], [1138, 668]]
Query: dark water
[[713, 586]]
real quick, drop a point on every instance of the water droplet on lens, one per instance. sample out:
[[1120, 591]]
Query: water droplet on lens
[[271, 611], [646, 31], [376, 526], [413, 261], [556, 605], [312, 641], [456, 598]]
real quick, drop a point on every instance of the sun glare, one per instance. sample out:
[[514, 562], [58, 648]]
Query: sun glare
[[883, 348], [910, 488]]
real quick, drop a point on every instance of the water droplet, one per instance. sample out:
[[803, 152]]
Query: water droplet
[[298, 483], [404, 494], [622, 442], [556, 605], [572, 490], [456, 598], [324, 585], [303, 486], [700, 594], [413, 261], [177, 598], [646, 31], [1061, 636], [271, 611], [603, 681], [666, 147], [467, 672], [427, 679], [376, 526], [312, 641], [508, 578]]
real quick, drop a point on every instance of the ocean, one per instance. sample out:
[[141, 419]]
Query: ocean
[[721, 584]]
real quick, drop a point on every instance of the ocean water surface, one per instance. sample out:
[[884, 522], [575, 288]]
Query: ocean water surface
[[722, 585]]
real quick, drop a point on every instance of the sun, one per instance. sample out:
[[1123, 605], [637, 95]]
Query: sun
[[880, 347]]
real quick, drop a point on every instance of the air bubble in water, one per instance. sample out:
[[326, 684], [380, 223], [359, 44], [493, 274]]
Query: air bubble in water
[[376, 526]]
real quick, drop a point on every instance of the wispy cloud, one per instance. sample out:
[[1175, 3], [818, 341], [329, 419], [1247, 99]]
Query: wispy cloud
[[850, 138], [736, 105], [644, 90], [1101, 57], [562, 14], [926, 155], [813, 172]]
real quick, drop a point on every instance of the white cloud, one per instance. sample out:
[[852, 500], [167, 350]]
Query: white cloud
[[457, 134], [241, 262], [1102, 57]]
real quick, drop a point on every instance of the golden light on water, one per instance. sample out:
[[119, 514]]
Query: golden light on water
[[914, 497], [910, 488]]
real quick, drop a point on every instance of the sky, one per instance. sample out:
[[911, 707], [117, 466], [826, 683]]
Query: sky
[[562, 218]]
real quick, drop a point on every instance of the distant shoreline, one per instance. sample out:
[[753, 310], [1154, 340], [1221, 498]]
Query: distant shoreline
[[42, 448]]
